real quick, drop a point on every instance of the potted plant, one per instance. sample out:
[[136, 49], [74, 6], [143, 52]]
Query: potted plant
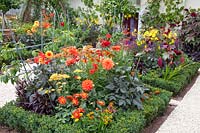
[[5, 6]]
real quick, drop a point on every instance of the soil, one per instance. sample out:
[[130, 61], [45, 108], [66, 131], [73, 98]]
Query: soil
[[4, 129], [156, 123]]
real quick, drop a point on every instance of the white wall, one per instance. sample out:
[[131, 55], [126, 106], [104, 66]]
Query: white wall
[[192, 4], [77, 3]]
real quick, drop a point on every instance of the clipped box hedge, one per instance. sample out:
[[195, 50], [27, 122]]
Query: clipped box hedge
[[126, 122], [178, 82]]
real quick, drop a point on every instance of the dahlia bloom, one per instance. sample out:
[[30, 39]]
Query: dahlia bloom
[[107, 64], [87, 85]]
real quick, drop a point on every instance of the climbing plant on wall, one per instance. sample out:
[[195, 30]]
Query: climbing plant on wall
[[88, 3], [158, 13], [113, 11]]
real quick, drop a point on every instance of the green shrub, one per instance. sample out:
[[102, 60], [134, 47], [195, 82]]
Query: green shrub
[[125, 122], [176, 84]]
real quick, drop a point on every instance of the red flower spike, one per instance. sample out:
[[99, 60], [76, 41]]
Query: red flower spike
[[62, 24], [177, 52], [193, 14], [182, 59], [160, 62]]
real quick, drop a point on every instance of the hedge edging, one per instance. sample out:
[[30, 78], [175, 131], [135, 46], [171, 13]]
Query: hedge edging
[[178, 83], [130, 121]]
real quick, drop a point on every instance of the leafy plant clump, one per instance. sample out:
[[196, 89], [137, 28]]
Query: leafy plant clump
[[74, 84], [189, 34]]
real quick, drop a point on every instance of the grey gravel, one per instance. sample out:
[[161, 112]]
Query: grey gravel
[[186, 116]]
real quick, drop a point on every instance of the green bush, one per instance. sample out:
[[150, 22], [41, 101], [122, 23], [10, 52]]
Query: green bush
[[176, 84], [130, 121]]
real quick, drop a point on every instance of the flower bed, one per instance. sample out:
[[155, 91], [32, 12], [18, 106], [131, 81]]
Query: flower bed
[[177, 83], [128, 121]]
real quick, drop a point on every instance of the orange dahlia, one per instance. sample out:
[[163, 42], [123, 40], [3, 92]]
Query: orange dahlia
[[69, 97], [49, 54], [75, 101], [46, 25], [76, 95], [70, 61], [116, 48], [73, 51], [84, 95], [101, 103], [62, 100], [76, 114], [107, 64], [81, 110], [87, 85]]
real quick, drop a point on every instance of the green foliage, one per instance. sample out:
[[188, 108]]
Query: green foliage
[[22, 28], [113, 11], [126, 91], [129, 121], [88, 3], [61, 38], [6, 5], [189, 34], [145, 62], [169, 73], [176, 83], [154, 17], [10, 60]]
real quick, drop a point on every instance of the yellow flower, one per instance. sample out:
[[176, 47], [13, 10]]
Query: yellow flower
[[76, 120], [172, 41], [78, 71], [65, 76], [33, 30], [139, 43], [46, 91], [36, 24], [56, 76], [146, 34], [49, 54], [29, 32], [96, 21], [78, 77], [40, 89], [64, 83]]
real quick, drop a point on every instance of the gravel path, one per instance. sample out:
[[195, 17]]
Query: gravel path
[[7, 93], [186, 116]]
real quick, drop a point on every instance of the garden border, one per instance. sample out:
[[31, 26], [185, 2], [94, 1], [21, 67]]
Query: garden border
[[130, 121], [178, 83]]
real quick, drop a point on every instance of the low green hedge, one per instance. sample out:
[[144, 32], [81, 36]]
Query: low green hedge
[[126, 122], [177, 83]]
